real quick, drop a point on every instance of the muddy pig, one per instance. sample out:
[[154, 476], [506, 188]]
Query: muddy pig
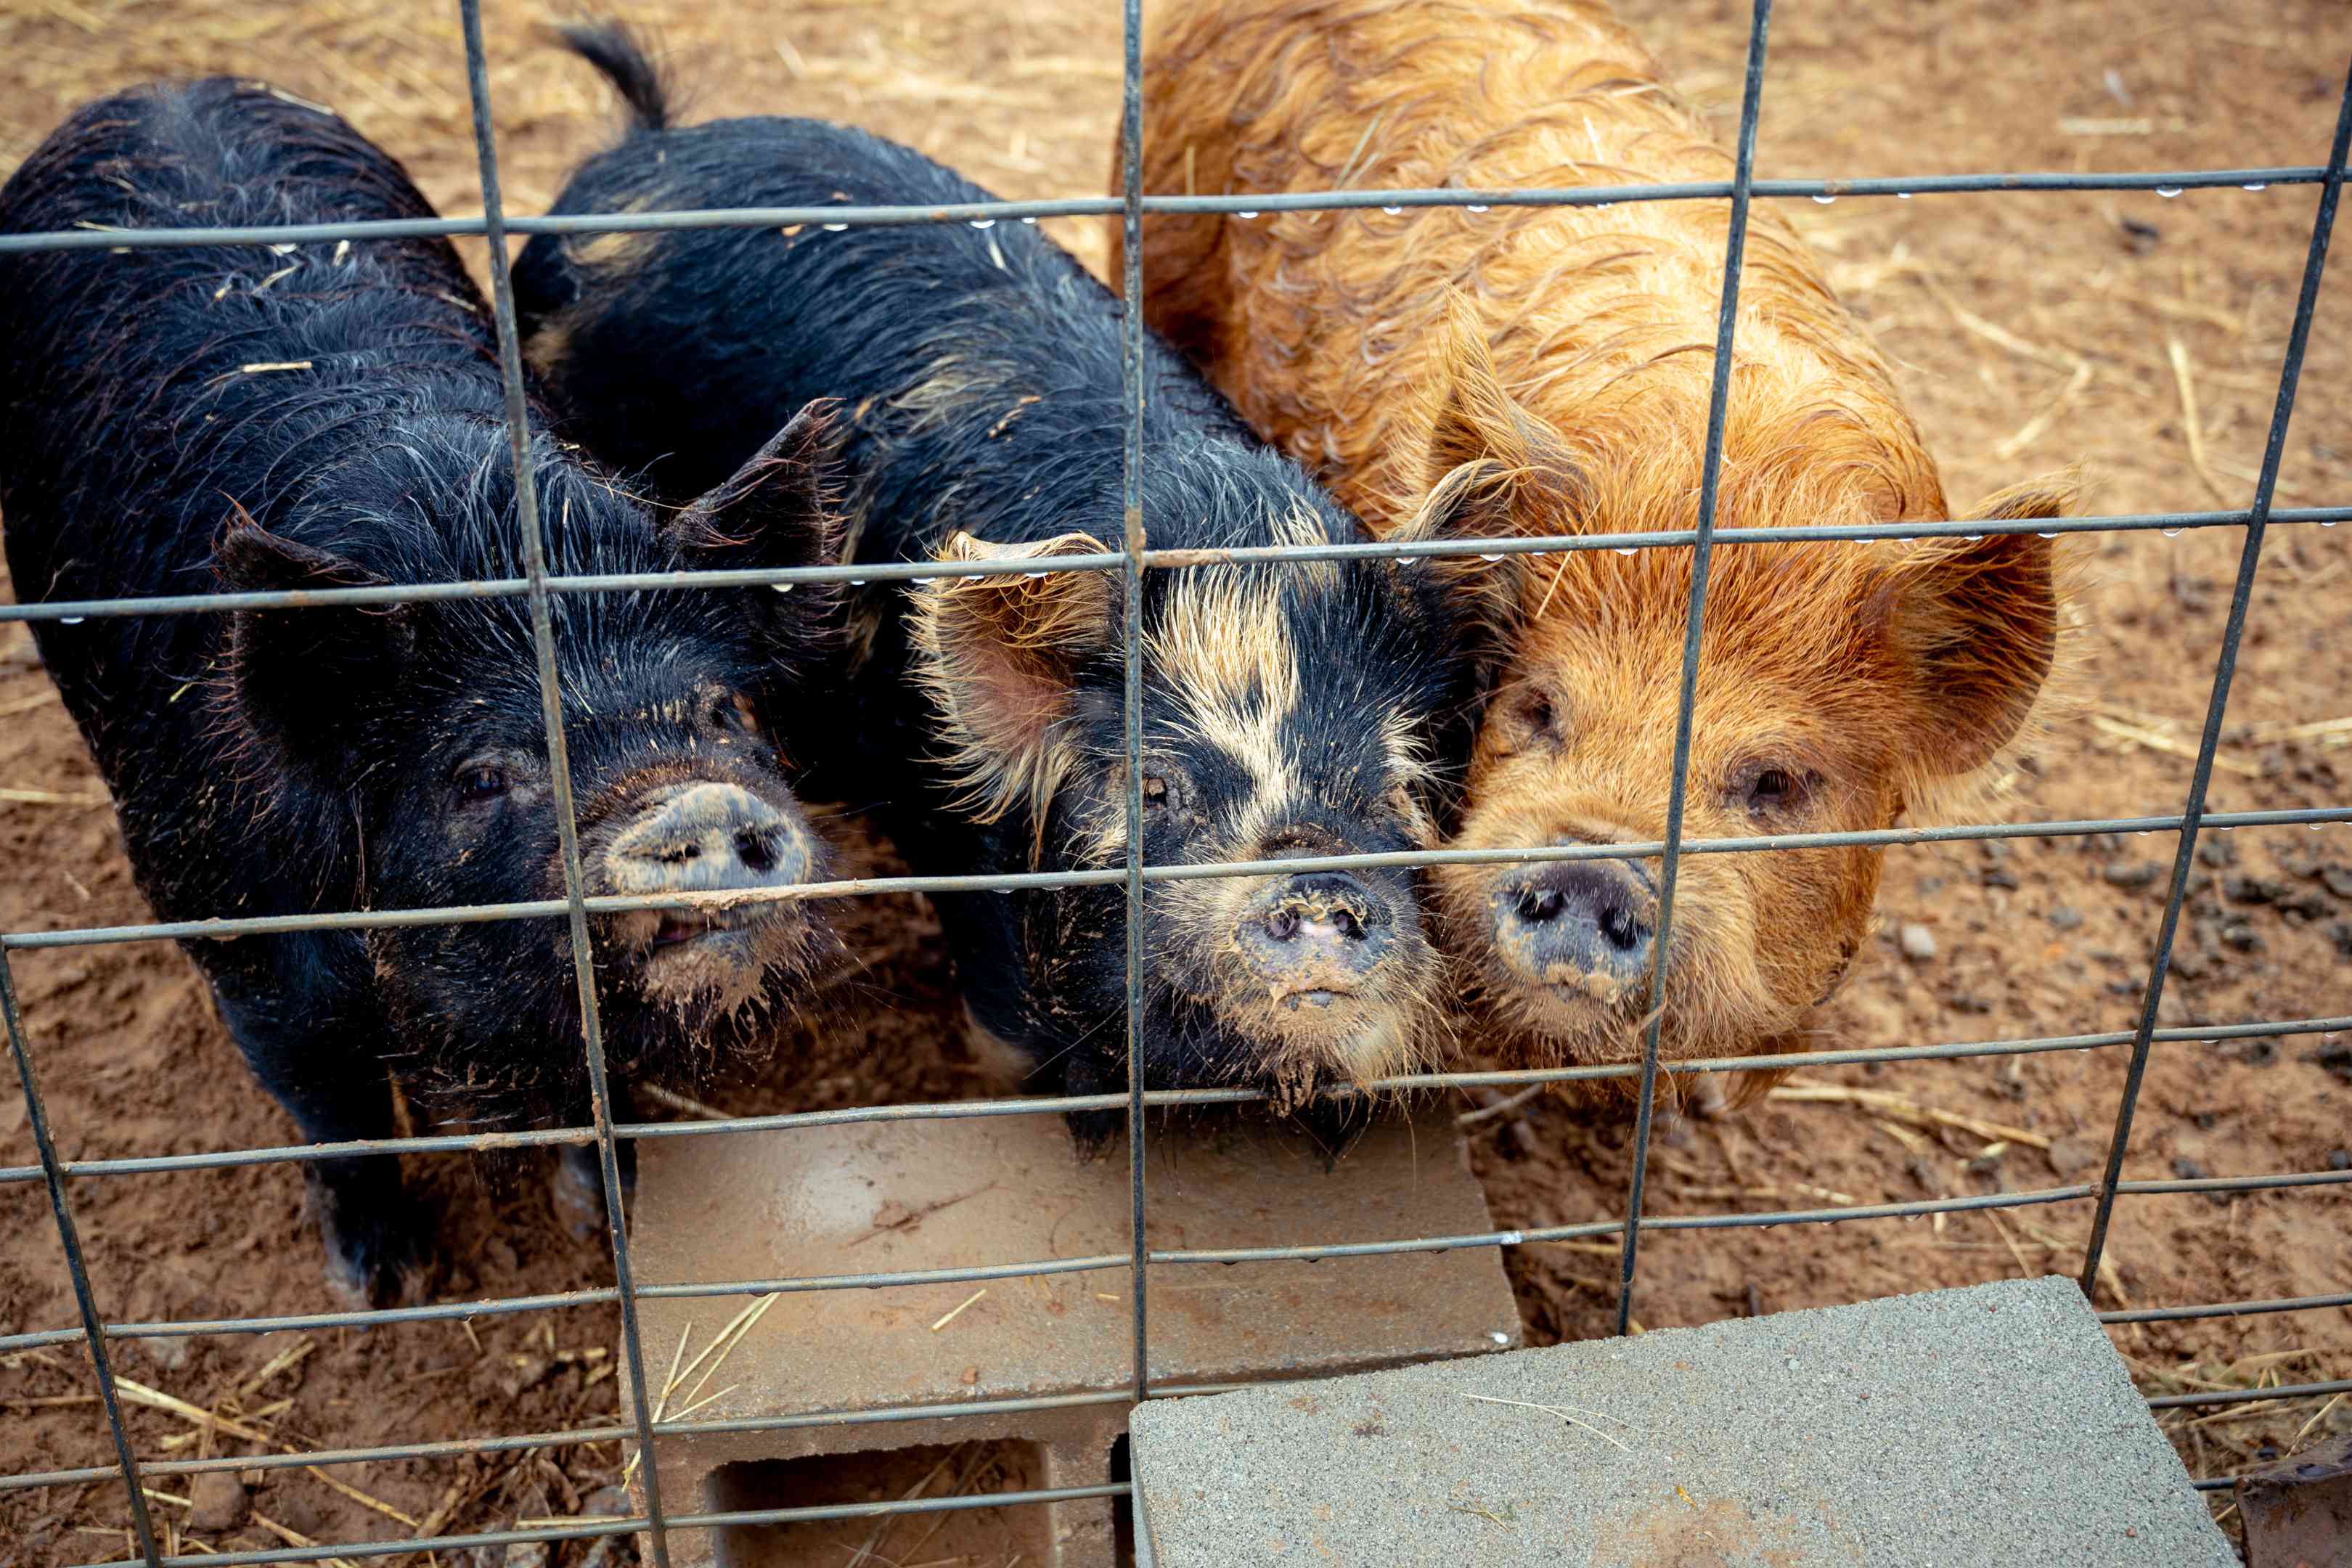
[[1546, 370], [330, 416], [1289, 711]]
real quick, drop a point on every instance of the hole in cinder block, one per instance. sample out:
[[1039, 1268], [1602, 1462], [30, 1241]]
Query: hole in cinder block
[[979, 1535], [1122, 1510]]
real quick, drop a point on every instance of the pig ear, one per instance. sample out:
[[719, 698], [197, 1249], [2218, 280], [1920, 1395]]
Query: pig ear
[[1476, 421], [302, 677], [1976, 623], [1492, 472], [777, 509], [1481, 598], [1000, 656]]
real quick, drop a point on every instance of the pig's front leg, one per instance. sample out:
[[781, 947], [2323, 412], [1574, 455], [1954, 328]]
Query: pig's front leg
[[378, 1240], [578, 1193]]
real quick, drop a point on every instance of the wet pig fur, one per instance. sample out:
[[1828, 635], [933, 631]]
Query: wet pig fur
[[1288, 709], [329, 416]]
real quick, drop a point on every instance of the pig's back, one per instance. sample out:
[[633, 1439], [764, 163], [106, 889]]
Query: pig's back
[[1328, 331], [131, 378], [137, 417], [675, 353]]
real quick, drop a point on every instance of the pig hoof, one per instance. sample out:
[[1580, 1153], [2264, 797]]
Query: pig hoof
[[378, 1239], [578, 1197], [384, 1265], [1708, 1098]]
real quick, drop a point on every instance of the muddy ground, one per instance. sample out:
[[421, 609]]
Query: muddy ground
[[2031, 330]]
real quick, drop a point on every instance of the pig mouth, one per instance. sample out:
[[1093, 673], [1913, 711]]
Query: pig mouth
[[1317, 992], [677, 927], [1603, 991], [713, 962]]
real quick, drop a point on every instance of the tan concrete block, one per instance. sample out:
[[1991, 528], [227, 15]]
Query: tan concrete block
[[903, 1197]]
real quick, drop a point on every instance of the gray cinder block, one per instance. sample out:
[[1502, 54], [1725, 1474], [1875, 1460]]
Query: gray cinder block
[[1989, 1427]]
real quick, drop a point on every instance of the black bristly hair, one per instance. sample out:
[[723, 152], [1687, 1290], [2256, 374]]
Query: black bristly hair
[[330, 415], [979, 365]]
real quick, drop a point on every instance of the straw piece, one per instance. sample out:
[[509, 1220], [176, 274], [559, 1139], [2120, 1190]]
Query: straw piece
[[2185, 382], [1562, 1411], [959, 1310], [679, 1102], [296, 1538], [156, 1399], [2034, 428], [282, 1361], [361, 1497], [1894, 1107], [1969, 321], [55, 797], [2155, 741]]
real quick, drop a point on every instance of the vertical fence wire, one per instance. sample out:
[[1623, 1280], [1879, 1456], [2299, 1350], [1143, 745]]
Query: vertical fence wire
[[550, 695], [1131, 484], [36, 1115], [1735, 247], [2224, 671]]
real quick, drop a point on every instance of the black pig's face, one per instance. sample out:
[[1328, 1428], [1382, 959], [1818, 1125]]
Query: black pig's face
[[1288, 711], [425, 721]]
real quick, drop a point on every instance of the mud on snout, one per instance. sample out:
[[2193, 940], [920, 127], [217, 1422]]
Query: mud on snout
[[709, 837], [1320, 977]]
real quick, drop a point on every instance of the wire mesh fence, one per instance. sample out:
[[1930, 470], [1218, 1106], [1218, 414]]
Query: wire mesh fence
[[1131, 561]]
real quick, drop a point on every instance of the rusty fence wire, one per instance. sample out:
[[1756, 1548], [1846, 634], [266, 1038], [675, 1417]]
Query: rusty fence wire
[[1133, 559]]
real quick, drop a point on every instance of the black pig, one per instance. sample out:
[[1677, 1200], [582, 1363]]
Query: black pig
[[1290, 710], [330, 416]]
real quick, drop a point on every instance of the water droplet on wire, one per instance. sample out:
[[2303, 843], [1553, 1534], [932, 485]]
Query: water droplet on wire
[[2168, 192]]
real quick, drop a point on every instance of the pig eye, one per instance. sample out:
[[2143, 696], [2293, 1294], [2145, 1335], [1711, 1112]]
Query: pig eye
[[1766, 790], [730, 713], [480, 783]]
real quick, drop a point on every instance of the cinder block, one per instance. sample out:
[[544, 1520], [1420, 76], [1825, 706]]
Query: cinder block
[[899, 1196], [1991, 1427]]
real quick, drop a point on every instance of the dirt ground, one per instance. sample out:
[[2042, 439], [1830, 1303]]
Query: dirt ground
[[2032, 330]]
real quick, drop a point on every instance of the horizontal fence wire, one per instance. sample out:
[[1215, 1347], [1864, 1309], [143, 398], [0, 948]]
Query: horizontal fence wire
[[860, 574], [2170, 181], [588, 1529], [549, 908], [1132, 560], [746, 1424], [483, 1142], [1918, 1208]]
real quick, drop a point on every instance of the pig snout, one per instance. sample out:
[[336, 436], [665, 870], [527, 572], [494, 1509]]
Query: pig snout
[[708, 838], [1587, 924], [1316, 937]]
